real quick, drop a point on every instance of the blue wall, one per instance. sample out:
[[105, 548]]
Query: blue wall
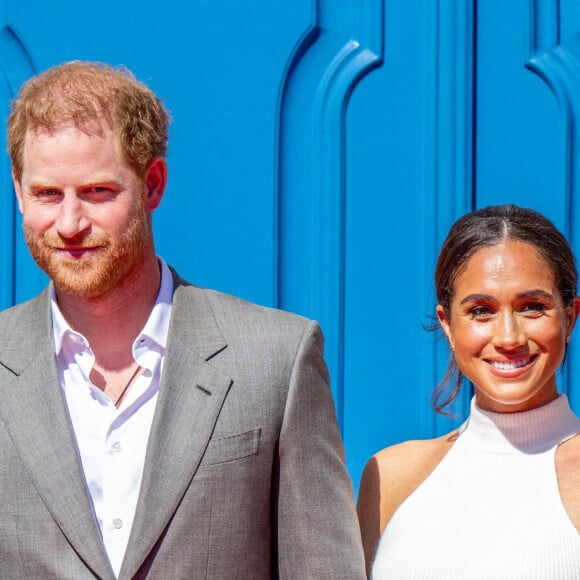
[[319, 152]]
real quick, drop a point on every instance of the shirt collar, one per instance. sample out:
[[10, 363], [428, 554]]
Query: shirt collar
[[156, 328]]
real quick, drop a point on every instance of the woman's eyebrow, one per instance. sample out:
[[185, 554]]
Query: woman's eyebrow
[[489, 298], [537, 293], [478, 297]]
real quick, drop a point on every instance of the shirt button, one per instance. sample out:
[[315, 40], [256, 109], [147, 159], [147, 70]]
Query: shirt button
[[117, 523], [116, 447]]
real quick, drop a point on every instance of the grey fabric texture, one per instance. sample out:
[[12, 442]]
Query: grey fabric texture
[[244, 475]]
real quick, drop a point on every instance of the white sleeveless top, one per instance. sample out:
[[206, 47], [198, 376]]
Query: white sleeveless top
[[491, 509]]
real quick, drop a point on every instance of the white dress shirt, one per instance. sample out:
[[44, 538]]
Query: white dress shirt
[[112, 442]]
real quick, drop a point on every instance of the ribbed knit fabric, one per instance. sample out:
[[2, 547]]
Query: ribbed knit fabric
[[491, 509]]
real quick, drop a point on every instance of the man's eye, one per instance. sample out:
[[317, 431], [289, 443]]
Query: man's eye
[[47, 193]]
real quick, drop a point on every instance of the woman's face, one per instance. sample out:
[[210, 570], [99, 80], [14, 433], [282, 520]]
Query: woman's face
[[508, 327]]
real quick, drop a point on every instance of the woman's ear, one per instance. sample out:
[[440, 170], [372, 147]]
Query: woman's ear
[[572, 316], [444, 322]]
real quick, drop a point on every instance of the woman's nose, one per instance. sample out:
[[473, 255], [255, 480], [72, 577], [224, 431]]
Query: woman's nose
[[508, 331]]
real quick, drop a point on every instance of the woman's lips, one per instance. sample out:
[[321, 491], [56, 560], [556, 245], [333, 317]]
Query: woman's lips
[[511, 367]]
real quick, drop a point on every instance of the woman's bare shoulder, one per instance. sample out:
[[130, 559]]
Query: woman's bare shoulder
[[411, 458], [397, 471], [389, 478]]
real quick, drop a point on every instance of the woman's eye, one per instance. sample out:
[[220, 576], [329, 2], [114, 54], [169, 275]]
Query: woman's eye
[[534, 308], [480, 312]]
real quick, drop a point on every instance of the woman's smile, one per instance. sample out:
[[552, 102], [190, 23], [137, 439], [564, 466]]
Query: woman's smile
[[511, 367]]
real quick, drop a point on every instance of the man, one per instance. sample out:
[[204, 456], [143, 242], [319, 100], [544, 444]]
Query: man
[[149, 428]]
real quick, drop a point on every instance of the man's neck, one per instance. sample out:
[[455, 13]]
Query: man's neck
[[111, 322]]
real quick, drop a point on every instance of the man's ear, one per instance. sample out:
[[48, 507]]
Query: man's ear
[[155, 182], [18, 190], [444, 322]]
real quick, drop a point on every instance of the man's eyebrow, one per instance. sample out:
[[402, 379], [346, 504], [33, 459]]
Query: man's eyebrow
[[39, 184]]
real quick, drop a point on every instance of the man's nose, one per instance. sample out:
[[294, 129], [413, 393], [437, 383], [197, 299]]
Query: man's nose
[[71, 219]]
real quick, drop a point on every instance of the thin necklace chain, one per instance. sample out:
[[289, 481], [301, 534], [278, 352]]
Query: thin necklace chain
[[126, 387]]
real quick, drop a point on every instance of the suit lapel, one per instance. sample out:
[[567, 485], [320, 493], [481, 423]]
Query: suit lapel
[[34, 411], [191, 395]]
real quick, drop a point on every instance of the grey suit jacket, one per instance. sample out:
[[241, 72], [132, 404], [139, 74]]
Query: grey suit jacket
[[244, 474]]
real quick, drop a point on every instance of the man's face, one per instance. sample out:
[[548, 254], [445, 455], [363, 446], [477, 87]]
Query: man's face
[[83, 210]]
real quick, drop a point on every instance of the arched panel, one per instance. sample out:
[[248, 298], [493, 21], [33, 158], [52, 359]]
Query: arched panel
[[409, 176], [344, 45], [15, 65], [555, 58], [521, 135]]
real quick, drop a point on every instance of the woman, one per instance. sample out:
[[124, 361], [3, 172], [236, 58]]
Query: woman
[[500, 497]]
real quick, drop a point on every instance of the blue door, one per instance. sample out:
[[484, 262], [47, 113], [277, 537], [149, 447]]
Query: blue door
[[320, 149]]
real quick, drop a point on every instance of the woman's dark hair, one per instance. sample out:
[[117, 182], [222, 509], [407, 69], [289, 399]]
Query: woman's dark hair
[[488, 227]]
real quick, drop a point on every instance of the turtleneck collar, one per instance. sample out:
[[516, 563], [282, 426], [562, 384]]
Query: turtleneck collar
[[530, 432]]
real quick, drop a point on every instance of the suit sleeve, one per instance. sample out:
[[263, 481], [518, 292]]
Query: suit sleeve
[[317, 528]]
